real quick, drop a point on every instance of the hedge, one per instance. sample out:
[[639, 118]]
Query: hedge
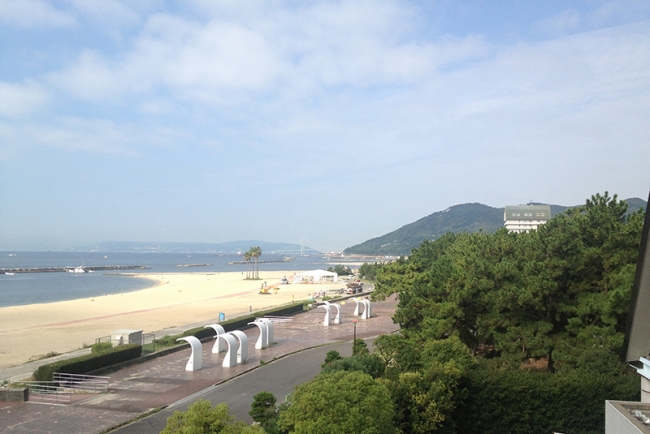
[[90, 362], [242, 322], [520, 402]]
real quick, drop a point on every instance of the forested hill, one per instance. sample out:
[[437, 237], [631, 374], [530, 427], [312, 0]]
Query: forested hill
[[467, 217]]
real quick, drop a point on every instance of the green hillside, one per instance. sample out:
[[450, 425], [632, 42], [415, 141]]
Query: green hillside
[[468, 217]]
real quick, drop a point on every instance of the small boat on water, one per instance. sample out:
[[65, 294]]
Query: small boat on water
[[77, 270], [10, 274]]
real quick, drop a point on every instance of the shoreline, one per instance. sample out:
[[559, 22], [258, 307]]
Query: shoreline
[[174, 300]]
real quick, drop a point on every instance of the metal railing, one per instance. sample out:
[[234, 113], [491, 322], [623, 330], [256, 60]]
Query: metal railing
[[48, 391], [81, 382], [63, 386], [148, 343]]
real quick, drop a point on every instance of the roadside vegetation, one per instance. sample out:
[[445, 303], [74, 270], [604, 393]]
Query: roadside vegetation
[[341, 270]]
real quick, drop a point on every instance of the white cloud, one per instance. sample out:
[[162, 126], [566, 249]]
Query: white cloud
[[91, 78], [301, 52], [33, 14], [18, 100]]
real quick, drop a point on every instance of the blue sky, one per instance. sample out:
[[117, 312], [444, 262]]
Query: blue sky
[[334, 121]]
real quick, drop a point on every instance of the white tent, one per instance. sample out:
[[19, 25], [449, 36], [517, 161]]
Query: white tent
[[316, 276]]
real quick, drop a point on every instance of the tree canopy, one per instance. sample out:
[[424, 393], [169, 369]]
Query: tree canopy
[[351, 402], [548, 294], [202, 418]]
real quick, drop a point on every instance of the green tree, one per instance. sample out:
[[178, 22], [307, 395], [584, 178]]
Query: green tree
[[359, 347], [367, 363], [264, 411], [425, 401], [341, 270], [341, 402], [247, 259], [368, 270], [330, 357], [398, 353], [256, 252], [201, 417], [550, 293]]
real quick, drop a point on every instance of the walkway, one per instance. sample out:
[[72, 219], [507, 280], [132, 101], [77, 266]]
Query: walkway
[[163, 381]]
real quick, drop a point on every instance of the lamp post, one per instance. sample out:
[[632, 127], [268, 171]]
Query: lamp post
[[354, 339]]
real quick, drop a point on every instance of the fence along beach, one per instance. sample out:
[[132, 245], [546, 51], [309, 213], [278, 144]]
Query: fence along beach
[[176, 300]]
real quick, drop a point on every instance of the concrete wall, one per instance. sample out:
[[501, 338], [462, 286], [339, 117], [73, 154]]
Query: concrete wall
[[13, 394]]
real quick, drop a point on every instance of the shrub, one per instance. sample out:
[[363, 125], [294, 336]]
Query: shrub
[[516, 401], [90, 362], [100, 347], [167, 341]]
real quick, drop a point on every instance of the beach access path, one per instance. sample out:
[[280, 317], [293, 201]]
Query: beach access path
[[163, 382]]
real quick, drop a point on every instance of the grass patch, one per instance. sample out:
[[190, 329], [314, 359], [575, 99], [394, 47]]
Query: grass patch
[[43, 356]]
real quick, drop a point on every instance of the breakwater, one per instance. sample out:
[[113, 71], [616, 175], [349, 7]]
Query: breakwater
[[70, 269], [260, 262]]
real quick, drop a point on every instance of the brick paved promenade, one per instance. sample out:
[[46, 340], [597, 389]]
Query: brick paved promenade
[[162, 381]]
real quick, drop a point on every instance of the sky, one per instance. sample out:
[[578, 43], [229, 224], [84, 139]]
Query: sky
[[332, 121]]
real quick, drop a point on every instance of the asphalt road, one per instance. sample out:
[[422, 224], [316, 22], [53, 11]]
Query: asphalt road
[[279, 377]]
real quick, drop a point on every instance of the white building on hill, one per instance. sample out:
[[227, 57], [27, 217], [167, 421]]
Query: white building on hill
[[524, 218]]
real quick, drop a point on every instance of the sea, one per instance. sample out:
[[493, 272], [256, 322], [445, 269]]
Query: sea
[[30, 288]]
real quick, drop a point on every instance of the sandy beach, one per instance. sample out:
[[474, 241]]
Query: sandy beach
[[176, 300]]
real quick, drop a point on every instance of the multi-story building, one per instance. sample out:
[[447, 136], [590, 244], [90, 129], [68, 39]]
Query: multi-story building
[[524, 218]]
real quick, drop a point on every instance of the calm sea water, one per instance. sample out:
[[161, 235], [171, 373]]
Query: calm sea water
[[30, 288]]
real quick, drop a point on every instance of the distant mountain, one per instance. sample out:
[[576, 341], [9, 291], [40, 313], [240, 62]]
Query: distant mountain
[[468, 217], [634, 204], [227, 247]]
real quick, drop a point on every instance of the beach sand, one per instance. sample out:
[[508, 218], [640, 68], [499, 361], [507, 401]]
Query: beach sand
[[176, 300]]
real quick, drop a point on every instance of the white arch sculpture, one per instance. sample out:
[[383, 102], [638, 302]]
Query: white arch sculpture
[[367, 312], [261, 341], [328, 314], [195, 361], [269, 330], [242, 351], [356, 309], [337, 318], [218, 346], [231, 356]]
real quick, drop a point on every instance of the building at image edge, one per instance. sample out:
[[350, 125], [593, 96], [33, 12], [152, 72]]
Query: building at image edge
[[524, 218]]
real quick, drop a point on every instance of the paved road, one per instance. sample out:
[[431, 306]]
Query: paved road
[[279, 378]]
